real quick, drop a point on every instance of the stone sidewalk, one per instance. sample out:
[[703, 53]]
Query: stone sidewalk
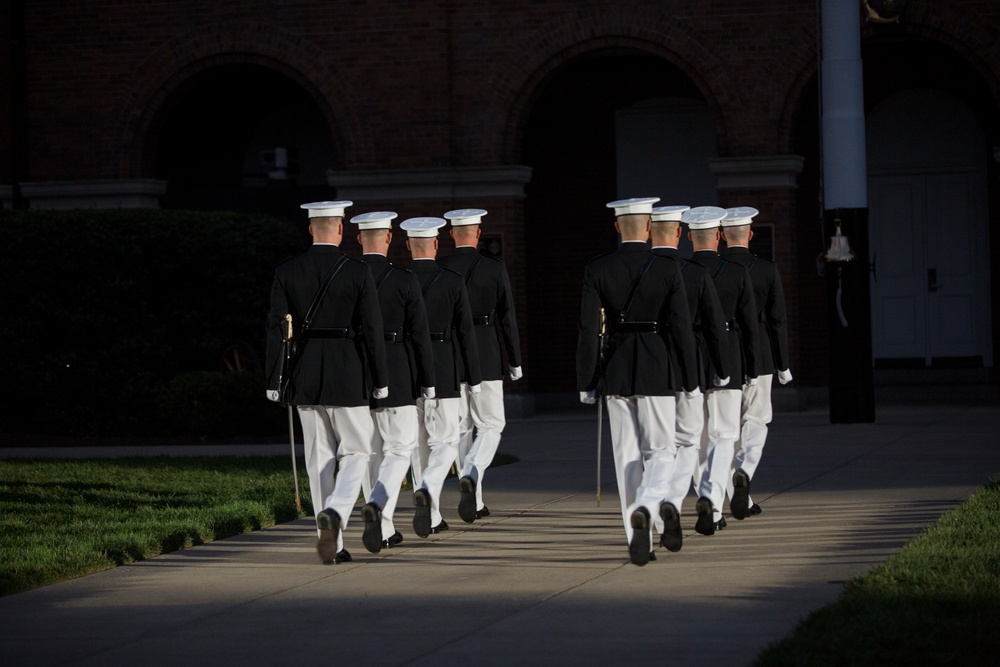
[[546, 578]]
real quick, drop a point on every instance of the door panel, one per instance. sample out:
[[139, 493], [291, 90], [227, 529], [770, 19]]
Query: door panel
[[899, 310]]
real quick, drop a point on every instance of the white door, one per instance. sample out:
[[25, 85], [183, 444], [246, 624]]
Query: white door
[[928, 284], [928, 230]]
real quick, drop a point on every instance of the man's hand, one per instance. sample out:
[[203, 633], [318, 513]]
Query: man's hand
[[785, 376], [720, 382], [694, 393], [588, 397], [475, 388], [515, 372], [427, 392], [380, 392], [272, 395]]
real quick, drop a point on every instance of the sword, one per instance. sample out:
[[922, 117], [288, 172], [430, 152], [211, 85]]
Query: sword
[[600, 406], [291, 420]]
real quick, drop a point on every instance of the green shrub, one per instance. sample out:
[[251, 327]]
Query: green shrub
[[103, 308], [215, 403]]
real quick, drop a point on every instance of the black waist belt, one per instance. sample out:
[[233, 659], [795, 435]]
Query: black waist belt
[[327, 333], [440, 336], [392, 337], [634, 327], [482, 321]]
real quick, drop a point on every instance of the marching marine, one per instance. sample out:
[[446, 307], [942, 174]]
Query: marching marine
[[712, 368], [456, 360], [650, 357], [333, 302], [732, 283], [492, 302], [411, 375], [772, 354]]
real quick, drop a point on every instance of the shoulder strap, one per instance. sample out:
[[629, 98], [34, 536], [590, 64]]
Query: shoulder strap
[[753, 260], [432, 280], [307, 320], [719, 269], [635, 286], [472, 269], [385, 274]]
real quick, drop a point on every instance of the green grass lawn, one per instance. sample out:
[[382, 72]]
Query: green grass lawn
[[937, 602], [62, 519]]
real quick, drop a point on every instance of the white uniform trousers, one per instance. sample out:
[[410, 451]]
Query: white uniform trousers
[[485, 412], [394, 438], [336, 436], [438, 419], [642, 439], [723, 428], [755, 415], [690, 425]]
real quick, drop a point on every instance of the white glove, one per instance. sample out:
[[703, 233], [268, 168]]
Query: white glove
[[380, 392], [694, 393], [272, 395], [785, 376], [427, 392], [751, 382], [515, 372], [588, 397], [475, 388], [720, 382]]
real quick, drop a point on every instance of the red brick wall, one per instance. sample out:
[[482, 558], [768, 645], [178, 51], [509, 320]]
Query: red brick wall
[[453, 83]]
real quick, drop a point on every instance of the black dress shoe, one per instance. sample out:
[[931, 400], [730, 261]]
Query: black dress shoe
[[721, 523], [372, 535], [639, 547], [440, 528], [329, 529], [392, 540], [671, 537], [467, 499], [754, 510], [343, 557], [705, 525], [483, 512], [652, 555], [740, 502], [422, 512]]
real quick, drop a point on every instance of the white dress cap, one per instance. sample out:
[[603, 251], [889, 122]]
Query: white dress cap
[[634, 205], [327, 209], [422, 228], [741, 215], [374, 220], [465, 216], [703, 217], [668, 213]]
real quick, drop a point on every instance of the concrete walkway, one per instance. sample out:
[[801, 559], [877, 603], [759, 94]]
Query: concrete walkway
[[546, 578]]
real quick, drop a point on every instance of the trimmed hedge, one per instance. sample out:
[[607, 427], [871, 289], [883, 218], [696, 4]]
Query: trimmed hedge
[[102, 309]]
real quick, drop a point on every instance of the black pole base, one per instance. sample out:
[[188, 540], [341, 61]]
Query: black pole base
[[852, 392]]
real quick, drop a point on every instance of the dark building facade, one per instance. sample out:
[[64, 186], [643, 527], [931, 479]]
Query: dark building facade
[[539, 112]]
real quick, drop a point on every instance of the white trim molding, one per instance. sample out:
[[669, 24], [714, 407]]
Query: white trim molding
[[766, 171], [68, 195], [447, 183]]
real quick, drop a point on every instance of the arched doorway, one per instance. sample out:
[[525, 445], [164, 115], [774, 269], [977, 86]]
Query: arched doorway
[[612, 123], [928, 188], [927, 199], [242, 137]]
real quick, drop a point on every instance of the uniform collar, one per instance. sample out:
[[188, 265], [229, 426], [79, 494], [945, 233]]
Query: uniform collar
[[633, 247], [739, 249]]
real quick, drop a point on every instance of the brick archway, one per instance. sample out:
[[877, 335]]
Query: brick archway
[[188, 54]]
